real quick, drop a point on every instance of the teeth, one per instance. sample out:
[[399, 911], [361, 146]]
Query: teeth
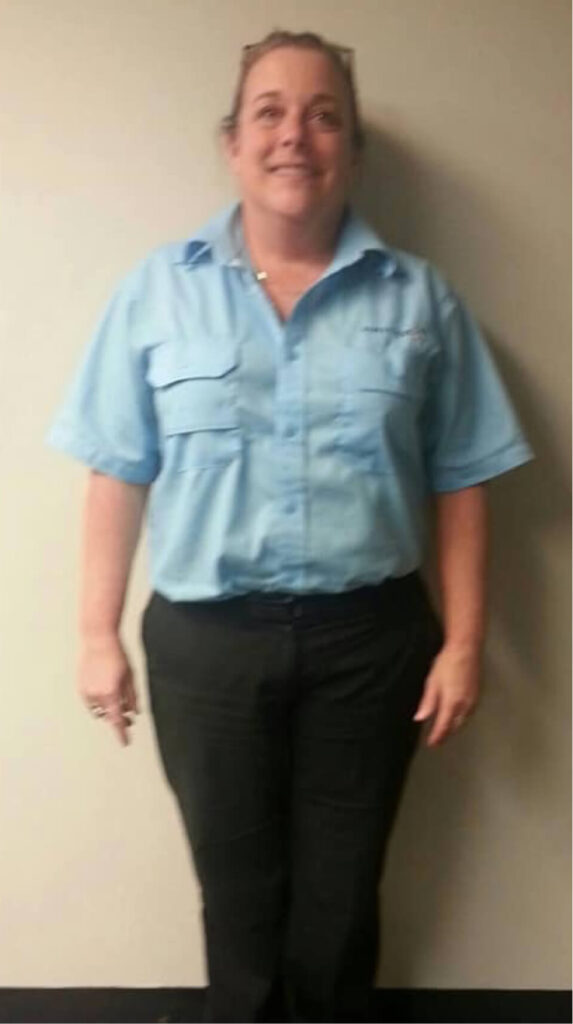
[[291, 170]]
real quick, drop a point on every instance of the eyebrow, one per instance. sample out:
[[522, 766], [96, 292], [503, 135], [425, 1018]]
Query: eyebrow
[[318, 97]]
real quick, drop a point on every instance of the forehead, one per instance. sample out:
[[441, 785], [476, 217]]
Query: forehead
[[294, 71]]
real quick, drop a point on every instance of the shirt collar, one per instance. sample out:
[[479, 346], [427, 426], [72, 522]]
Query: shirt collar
[[220, 239], [356, 240], [215, 240]]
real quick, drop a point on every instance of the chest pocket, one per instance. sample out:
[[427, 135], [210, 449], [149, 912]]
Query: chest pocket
[[196, 404], [382, 389], [395, 364]]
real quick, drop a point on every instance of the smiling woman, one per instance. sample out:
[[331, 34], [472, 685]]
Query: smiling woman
[[293, 143], [290, 392]]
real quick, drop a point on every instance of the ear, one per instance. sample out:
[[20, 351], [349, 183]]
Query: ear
[[230, 144]]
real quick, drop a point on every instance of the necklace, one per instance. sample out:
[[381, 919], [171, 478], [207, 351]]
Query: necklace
[[270, 282]]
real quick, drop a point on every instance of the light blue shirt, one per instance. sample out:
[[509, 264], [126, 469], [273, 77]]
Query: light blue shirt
[[295, 456]]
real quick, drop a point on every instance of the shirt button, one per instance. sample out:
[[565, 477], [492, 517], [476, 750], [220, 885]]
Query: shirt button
[[290, 508], [290, 432]]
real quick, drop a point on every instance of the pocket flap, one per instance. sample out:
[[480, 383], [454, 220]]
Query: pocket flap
[[169, 366], [201, 413]]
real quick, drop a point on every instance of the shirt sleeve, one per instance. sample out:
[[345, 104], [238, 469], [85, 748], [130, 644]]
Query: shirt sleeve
[[470, 430], [107, 419]]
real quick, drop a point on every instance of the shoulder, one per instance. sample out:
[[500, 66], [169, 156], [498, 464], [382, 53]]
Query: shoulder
[[157, 276], [167, 261], [422, 276], [419, 278], [421, 291], [161, 261]]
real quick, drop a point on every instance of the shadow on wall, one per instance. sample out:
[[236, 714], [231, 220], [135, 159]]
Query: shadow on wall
[[447, 814]]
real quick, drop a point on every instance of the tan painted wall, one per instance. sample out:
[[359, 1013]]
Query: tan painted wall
[[108, 114]]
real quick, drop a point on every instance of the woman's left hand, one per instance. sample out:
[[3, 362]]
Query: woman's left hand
[[450, 692]]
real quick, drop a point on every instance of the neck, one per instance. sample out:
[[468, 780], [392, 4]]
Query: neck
[[277, 240]]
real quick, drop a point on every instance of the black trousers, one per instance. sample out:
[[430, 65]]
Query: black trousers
[[285, 731]]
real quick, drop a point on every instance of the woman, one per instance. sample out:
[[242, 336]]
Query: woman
[[290, 391]]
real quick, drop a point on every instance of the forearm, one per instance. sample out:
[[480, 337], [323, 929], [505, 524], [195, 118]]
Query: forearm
[[112, 521], [461, 526]]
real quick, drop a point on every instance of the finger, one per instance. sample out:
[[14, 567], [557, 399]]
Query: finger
[[129, 719], [132, 703], [122, 733], [428, 705], [116, 720], [93, 703], [441, 726], [103, 701], [126, 723], [459, 719], [96, 710]]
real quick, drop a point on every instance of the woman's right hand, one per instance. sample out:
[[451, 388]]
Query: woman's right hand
[[106, 683]]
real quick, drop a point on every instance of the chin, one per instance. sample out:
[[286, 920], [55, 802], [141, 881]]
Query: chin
[[295, 207]]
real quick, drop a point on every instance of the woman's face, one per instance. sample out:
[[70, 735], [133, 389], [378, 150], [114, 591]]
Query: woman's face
[[292, 152]]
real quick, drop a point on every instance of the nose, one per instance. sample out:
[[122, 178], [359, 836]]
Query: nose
[[293, 130]]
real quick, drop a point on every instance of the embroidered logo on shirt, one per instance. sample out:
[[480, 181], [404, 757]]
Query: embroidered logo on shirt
[[415, 333]]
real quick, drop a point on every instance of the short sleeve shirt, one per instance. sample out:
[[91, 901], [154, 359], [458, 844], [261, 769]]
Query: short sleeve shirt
[[293, 455]]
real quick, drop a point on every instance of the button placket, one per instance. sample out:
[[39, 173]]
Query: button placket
[[290, 454]]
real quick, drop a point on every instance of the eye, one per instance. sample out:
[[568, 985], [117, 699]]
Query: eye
[[268, 113], [326, 118]]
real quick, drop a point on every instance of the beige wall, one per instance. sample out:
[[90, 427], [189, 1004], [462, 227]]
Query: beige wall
[[108, 112]]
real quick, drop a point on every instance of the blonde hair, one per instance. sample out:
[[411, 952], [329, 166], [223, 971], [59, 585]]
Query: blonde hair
[[340, 56]]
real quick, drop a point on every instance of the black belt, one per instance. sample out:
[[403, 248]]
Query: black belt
[[395, 595]]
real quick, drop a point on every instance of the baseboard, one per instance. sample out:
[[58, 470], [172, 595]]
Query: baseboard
[[137, 1006]]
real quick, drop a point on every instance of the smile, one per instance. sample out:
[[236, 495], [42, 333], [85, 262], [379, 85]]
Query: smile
[[293, 171]]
